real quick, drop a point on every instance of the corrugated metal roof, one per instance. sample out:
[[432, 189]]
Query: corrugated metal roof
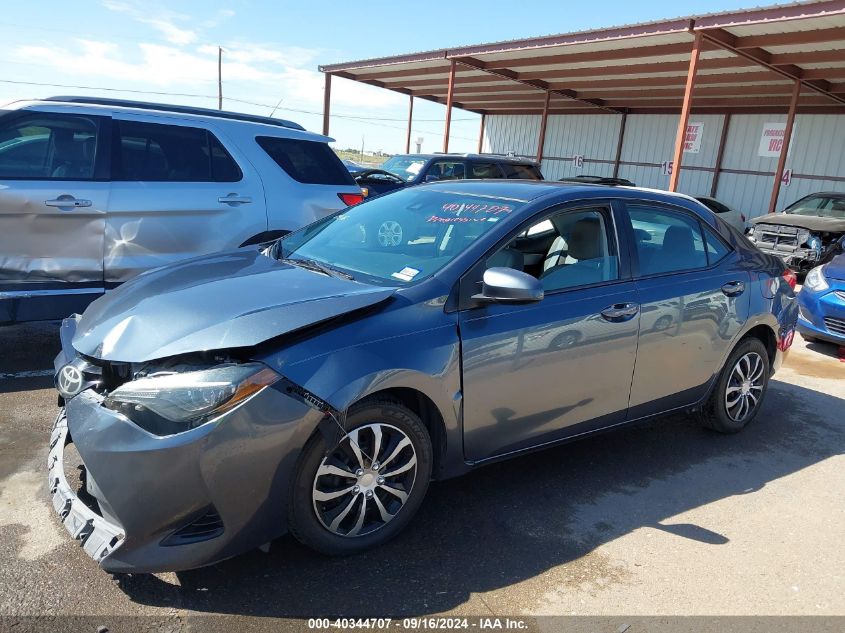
[[638, 67]]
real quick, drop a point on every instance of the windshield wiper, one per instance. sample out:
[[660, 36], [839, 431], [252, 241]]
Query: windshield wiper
[[318, 267]]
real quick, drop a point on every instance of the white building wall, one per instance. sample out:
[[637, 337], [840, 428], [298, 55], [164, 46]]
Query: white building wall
[[818, 149]]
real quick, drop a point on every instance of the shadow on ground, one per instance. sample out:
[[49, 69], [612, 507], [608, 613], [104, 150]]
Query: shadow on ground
[[510, 522]]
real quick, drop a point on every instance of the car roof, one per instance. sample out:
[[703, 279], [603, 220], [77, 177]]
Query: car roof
[[491, 157], [104, 106], [530, 190]]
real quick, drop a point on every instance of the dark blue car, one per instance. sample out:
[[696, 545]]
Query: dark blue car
[[319, 384], [821, 303]]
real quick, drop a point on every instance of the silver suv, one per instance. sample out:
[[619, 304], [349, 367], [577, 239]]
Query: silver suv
[[95, 191]]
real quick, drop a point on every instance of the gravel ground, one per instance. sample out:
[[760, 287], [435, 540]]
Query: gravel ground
[[663, 518]]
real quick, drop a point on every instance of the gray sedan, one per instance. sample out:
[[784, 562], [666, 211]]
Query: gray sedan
[[317, 385]]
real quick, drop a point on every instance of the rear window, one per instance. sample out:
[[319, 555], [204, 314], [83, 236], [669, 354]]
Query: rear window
[[308, 162], [522, 172]]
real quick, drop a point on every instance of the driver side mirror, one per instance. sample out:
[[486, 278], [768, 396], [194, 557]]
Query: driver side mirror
[[507, 285]]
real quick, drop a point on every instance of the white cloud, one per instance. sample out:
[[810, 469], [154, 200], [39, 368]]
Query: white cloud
[[165, 21], [255, 72], [170, 31]]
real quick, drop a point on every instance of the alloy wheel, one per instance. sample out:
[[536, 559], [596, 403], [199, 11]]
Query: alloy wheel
[[365, 481], [745, 387]]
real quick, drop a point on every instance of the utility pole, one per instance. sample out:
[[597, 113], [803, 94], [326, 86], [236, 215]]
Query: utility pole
[[362, 148], [219, 77]]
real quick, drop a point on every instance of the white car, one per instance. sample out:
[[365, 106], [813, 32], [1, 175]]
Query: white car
[[731, 216], [95, 191]]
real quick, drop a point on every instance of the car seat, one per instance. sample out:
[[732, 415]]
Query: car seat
[[586, 262]]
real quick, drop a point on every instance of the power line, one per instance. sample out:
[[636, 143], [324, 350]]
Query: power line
[[205, 96]]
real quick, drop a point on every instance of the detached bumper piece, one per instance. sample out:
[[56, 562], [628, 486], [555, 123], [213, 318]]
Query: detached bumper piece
[[98, 537]]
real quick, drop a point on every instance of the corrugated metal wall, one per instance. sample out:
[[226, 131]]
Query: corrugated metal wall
[[818, 149], [592, 136]]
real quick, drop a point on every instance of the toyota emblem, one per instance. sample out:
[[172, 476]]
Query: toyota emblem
[[70, 381]]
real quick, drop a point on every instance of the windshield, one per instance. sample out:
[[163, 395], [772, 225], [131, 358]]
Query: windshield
[[406, 167], [400, 238], [822, 206]]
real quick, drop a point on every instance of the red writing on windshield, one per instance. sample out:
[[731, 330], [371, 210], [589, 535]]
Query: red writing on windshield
[[493, 209]]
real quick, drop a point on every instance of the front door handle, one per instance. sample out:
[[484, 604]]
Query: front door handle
[[67, 201], [733, 288], [619, 312], [234, 199]]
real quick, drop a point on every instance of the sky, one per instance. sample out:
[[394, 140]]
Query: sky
[[272, 50]]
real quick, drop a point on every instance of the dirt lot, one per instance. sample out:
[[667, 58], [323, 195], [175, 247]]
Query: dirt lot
[[662, 518]]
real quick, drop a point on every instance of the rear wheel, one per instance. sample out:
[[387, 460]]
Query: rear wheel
[[738, 395], [362, 492]]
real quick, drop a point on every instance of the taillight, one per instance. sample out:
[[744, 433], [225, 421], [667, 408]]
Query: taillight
[[351, 199], [790, 277]]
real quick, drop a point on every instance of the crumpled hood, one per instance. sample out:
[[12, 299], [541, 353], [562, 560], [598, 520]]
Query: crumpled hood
[[811, 222], [231, 299], [835, 269]]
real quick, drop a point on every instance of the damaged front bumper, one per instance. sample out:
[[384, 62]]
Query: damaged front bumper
[[98, 537], [155, 504]]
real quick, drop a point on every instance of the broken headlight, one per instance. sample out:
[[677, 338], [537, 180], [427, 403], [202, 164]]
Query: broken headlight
[[169, 403], [802, 236]]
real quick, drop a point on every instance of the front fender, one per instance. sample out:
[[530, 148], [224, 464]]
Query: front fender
[[426, 361]]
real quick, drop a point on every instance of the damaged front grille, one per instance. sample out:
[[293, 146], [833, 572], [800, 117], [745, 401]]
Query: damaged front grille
[[204, 528], [777, 236]]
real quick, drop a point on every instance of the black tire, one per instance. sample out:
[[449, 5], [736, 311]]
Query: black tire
[[715, 413], [304, 522]]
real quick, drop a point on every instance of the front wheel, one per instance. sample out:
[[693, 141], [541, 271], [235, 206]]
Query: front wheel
[[362, 492], [738, 395]]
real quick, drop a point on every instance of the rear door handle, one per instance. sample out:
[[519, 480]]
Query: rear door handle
[[619, 312], [234, 198], [733, 288], [67, 201]]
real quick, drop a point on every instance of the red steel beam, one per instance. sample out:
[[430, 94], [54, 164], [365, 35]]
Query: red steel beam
[[719, 79], [449, 99], [680, 137], [481, 133], [720, 153], [614, 54], [619, 144], [792, 38], [784, 150], [814, 79], [565, 74], [542, 140], [410, 120], [327, 102], [506, 73]]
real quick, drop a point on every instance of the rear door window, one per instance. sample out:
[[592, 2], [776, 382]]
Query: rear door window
[[522, 172], [666, 241], [308, 162], [48, 146], [170, 153]]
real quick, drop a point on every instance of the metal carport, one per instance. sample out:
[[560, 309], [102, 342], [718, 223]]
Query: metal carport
[[785, 58]]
